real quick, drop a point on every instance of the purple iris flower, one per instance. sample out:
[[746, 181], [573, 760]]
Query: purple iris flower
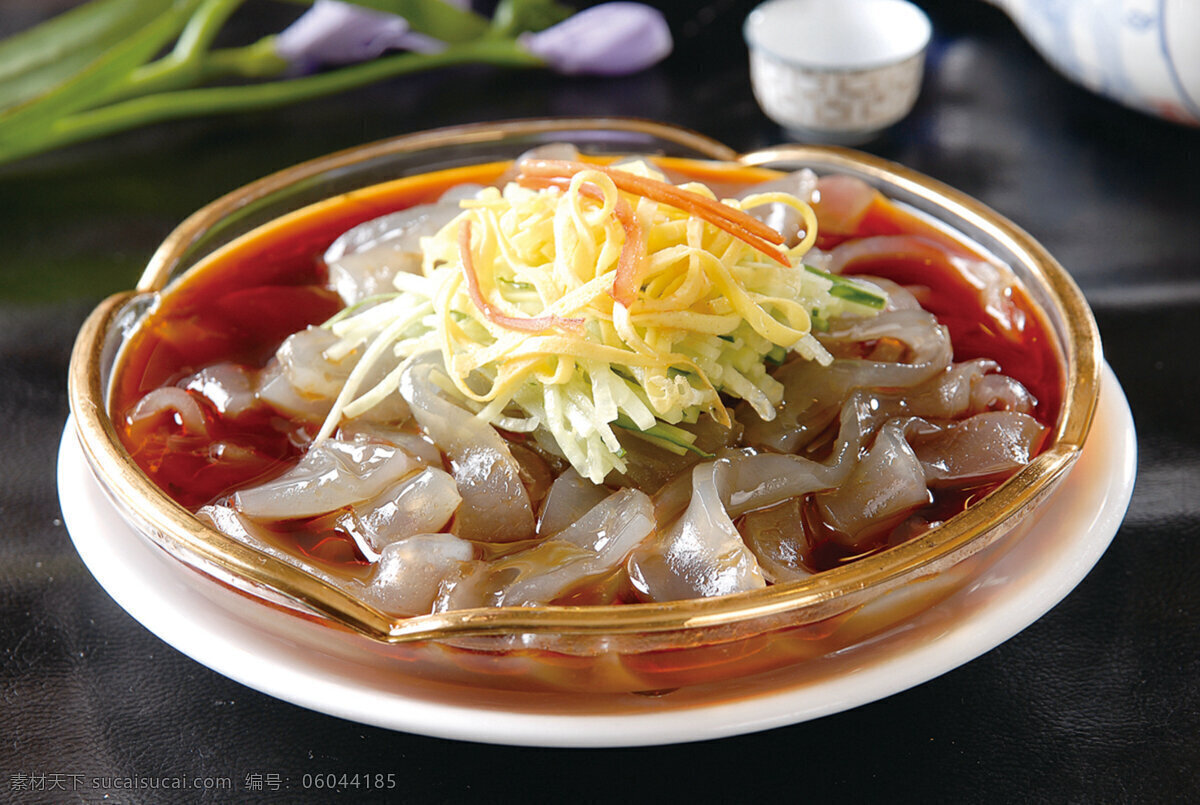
[[608, 39], [331, 32]]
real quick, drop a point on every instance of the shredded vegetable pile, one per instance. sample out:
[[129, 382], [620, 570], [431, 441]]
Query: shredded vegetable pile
[[582, 301]]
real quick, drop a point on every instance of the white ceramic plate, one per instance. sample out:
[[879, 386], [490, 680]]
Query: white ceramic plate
[[1068, 539]]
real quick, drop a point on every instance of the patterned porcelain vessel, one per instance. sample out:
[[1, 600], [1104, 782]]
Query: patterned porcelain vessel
[[1142, 53], [836, 71]]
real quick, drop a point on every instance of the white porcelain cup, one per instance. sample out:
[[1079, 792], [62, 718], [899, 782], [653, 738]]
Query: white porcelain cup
[[836, 71]]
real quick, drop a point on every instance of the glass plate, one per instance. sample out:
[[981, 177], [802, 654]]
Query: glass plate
[[1077, 526], [634, 647]]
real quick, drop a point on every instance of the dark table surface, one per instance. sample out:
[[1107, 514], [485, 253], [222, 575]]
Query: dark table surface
[[1098, 701]]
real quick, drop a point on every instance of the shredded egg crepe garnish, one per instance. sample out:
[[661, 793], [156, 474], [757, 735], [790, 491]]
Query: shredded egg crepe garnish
[[584, 298]]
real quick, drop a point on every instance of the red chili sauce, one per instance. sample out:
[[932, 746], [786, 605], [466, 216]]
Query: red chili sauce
[[243, 302]]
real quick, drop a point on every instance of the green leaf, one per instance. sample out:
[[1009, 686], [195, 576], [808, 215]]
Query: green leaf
[[30, 119], [199, 101], [35, 61]]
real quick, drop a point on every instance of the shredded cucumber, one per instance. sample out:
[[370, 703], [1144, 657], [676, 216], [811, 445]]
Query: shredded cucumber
[[710, 315]]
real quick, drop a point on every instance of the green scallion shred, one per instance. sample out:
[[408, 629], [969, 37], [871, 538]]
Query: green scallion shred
[[350, 310], [515, 284], [669, 437], [849, 290]]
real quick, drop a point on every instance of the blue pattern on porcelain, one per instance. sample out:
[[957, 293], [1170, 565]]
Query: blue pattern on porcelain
[[1142, 53]]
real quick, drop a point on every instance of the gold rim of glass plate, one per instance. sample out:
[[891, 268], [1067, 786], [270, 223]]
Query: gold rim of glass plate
[[177, 530]]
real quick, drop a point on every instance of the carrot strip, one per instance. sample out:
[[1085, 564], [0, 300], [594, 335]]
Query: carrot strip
[[532, 324], [633, 250], [744, 227], [632, 259]]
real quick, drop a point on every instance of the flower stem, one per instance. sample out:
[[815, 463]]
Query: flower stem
[[185, 103], [184, 65], [259, 60]]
